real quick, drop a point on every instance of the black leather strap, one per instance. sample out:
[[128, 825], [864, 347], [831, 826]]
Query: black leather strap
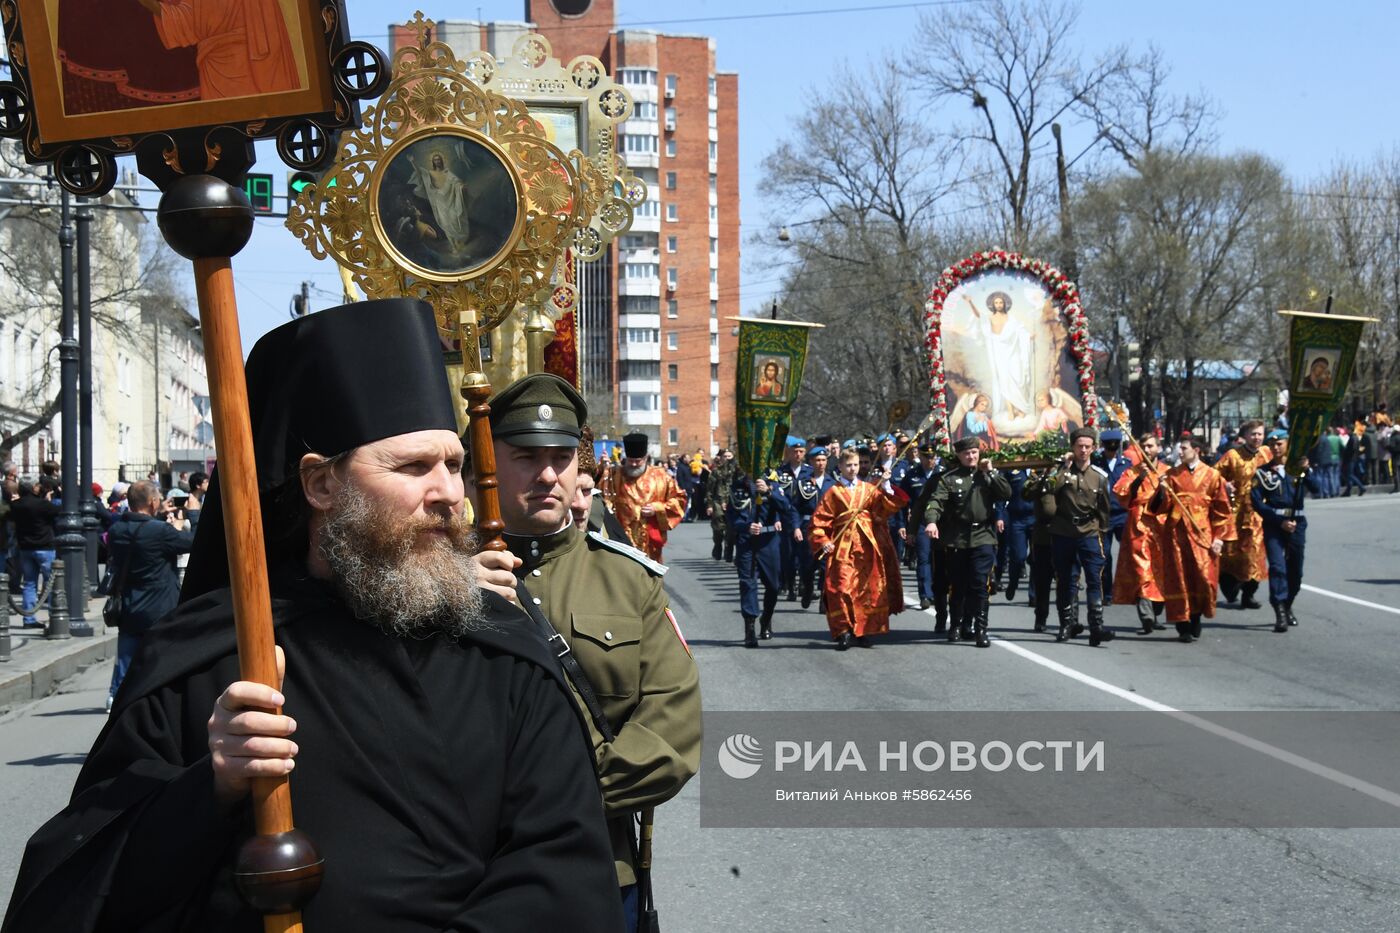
[[567, 662]]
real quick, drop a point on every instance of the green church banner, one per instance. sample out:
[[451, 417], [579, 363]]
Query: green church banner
[[772, 355], [1322, 351]]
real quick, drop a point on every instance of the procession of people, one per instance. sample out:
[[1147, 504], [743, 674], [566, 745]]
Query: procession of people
[[836, 523]]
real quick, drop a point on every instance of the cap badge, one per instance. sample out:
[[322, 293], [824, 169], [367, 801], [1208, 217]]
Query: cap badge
[[546, 413]]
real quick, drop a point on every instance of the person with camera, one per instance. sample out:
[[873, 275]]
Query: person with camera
[[144, 545]]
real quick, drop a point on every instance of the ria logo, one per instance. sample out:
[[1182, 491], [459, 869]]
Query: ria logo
[[740, 756]]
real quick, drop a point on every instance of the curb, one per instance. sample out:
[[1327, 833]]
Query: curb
[[20, 683]]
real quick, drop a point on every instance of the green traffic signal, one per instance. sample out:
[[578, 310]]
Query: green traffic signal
[[297, 182]]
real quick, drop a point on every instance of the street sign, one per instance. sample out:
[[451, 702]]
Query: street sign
[[258, 187]]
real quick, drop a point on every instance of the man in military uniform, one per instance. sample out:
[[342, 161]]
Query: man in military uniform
[[716, 497], [1080, 490], [806, 495], [600, 603], [1278, 500], [914, 482], [960, 513], [761, 517], [1016, 536], [1243, 565], [793, 467]]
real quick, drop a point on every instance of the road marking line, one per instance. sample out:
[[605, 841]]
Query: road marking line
[[1350, 599], [1278, 754]]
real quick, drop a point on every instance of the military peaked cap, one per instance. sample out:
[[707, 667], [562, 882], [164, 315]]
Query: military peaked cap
[[540, 410]]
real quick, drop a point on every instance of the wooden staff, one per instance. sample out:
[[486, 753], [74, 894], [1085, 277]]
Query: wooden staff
[[208, 221], [476, 389], [1121, 414]]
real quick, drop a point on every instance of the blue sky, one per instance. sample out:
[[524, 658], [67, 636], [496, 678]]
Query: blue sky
[[1304, 84]]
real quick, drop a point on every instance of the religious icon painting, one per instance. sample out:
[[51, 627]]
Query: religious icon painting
[[448, 203], [770, 378], [1006, 357], [1319, 371]]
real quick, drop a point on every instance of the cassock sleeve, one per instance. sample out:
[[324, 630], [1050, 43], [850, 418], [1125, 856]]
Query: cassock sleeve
[[887, 504], [675, 502], [1222, 514], [553, 867], [657, 748]]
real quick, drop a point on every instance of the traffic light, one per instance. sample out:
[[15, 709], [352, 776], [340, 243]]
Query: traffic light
[[1134, 362], [259, 190], [297, 182]]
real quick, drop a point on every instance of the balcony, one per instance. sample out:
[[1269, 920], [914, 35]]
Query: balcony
[[637, 419], [641, 351], [651, 287]]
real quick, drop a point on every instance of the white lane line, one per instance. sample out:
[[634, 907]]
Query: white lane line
[[1264, 748], [1350, 599]]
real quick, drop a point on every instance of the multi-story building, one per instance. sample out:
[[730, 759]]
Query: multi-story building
[[654, 340], [148, 375]]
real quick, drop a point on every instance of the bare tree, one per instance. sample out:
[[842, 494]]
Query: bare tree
[[869, 177], [1015, 65]]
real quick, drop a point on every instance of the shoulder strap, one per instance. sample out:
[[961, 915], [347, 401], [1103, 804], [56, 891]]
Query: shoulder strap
[[566, 660], [629, 551]]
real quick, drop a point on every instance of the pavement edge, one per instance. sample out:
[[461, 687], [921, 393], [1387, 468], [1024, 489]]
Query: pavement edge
[[21, 684]]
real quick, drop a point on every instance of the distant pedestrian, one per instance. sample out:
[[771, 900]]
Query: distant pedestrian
[[33, 515], [144, 545]]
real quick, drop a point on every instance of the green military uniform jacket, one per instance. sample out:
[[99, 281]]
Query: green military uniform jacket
[[1033, 490], [1081, 501], [606, 599], [962, 505]]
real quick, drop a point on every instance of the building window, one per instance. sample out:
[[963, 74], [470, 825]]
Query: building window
[[640, 304], [673, 308], [714, 246], [673, 436], [634, 142], [714, 309], [643, 335], [649, 208], [641, 369], [714, 340], [672, 214], [671, 277], [670, 181], [714, 120], [670, 244], [644, 110], [671, 148], [638, 75], [641, 270], [714, 151], [641, 401], [673, 371], [712, 84], [673, 404], [714, 212], [714, 371], [670, 118], [714, 276], [671, 84], [672, 341]]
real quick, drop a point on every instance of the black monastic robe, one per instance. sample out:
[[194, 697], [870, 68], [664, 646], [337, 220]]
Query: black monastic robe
[[447, 784]]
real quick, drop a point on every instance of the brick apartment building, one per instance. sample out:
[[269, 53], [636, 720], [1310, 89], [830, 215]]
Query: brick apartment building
[[654, 339]]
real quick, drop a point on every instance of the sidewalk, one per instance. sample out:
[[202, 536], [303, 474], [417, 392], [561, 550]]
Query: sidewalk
[[37, 665]]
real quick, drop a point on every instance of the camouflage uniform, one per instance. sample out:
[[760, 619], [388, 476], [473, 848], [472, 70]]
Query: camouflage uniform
[[716, 498]]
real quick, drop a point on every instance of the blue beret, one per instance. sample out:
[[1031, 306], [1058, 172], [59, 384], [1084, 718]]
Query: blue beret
[[1278, 433], [848, 444], [884, 437], [793, 441]]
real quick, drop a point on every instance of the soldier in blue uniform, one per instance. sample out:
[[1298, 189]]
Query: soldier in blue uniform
[[807, 492], [1112, 462], [792, 468], [1278, 498], [917, 484], [1016, 536], [761, 518]]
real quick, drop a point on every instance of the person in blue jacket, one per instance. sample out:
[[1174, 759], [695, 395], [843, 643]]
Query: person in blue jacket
[[805, 494], [1278, 498], [1016, 537], [761, 517]]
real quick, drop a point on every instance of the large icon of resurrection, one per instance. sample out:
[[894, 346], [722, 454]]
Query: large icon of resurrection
[[447, 203]]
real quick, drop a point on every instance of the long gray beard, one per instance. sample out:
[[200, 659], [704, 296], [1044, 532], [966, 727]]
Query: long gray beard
[[389, 584], [634, 472]]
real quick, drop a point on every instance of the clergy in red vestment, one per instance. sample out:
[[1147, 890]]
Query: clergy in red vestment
[[1244, 563], [645, 499], [243, 45], [1195, 530], [1135, 577], [862, 587]]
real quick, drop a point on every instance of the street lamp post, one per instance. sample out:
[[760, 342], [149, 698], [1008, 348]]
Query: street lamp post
[[71, 542], [91, 522]]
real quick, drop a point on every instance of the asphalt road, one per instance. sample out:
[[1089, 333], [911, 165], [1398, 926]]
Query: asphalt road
[[1343, 656]]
